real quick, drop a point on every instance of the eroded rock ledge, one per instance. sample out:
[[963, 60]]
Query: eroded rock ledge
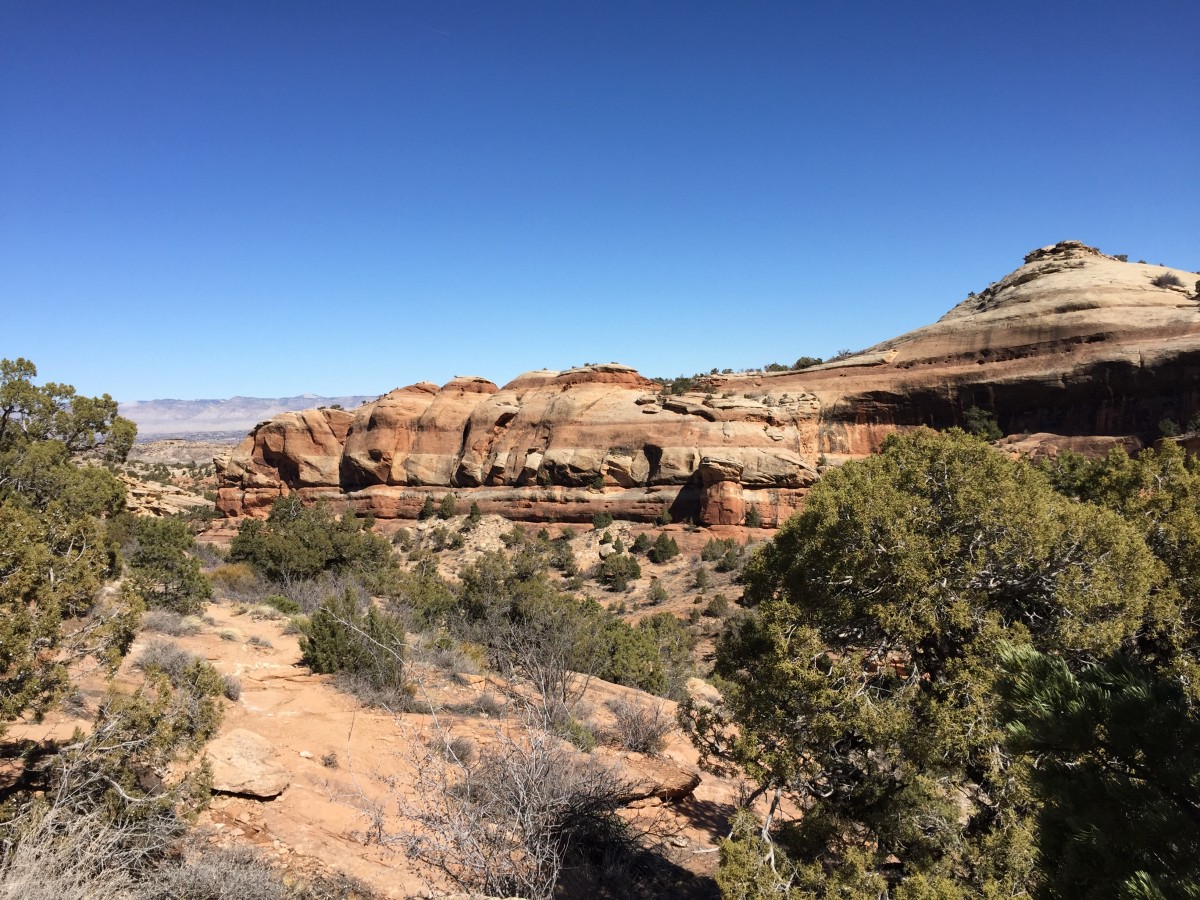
[[1074, 343]]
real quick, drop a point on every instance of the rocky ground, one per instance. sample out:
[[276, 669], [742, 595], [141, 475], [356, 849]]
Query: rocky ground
[[181, 452], [172, 477], [319, 782]]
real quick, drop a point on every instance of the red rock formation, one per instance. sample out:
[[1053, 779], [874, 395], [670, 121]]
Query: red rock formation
[[1074, 343]]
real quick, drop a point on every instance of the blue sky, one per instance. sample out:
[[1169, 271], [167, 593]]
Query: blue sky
[[266, 198]]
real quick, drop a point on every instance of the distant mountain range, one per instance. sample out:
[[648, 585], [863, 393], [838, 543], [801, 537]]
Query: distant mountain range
[[219, 419]]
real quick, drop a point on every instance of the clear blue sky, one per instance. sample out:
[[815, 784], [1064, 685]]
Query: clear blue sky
[[214, 198]]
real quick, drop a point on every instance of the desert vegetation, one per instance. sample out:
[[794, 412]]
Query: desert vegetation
[[962, 669], [1167, 280], [97, 814]]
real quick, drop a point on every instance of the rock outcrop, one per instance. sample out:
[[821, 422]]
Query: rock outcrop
[[1074, 343], [157, 500]]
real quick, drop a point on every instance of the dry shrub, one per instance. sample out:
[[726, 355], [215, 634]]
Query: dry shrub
[[238, 581], [507, 823], [486, 704], [165, 621], [461, 750], [56, 855], [210, 555], [166, 656], [452, 659], [233, 687], [640, 727], [233, 874], [309, 593]]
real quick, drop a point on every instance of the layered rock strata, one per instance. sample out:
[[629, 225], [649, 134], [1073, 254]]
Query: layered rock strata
[[1074, 343]]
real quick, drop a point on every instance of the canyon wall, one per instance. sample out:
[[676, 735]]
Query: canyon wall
[[1074, 344]]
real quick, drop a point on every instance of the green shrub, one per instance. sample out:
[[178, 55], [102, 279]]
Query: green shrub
[[717, 548], [653, 656], [562, 557], [162, 572], [935, 551], [602, 520], [718, 607], [730, 560], [448, 508], [657, 593], [641, 543], [285, 605], [664, 549], [428, 510], [438, 538], [674, 644], [982, 423], [340, 637], [297, 543], [579, 734], [617, 570], [633, 658], [514, 537]]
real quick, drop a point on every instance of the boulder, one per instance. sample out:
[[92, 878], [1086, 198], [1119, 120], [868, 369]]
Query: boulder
[[649, 776], [243, 763]]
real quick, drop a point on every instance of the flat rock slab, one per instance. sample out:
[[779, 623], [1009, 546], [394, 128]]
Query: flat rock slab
[[243, 763]]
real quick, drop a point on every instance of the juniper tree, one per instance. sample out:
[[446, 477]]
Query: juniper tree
[[862, 684]]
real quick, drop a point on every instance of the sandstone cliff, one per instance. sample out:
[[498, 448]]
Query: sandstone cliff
[[1074, 343]]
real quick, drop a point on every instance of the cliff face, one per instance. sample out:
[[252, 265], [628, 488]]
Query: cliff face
[[1074, 343]]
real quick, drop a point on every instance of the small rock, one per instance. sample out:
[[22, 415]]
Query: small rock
[[304, 754]]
